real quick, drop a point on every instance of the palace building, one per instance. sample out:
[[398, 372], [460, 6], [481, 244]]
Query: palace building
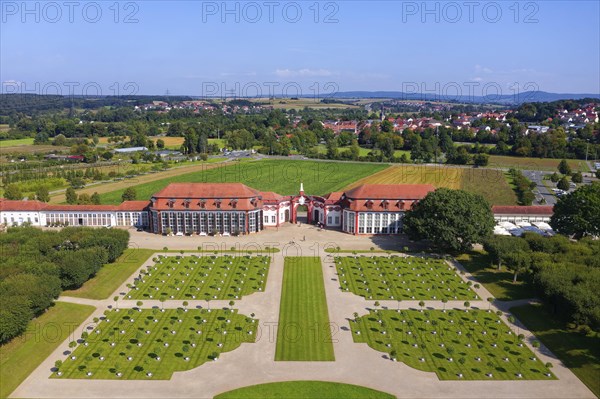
[[234, 209]]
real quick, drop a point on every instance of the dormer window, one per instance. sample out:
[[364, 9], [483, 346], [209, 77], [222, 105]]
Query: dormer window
[[234, 202], [218, 203], [171, 202], [186, 203], [384, 204], [369, 204], [202, 203]]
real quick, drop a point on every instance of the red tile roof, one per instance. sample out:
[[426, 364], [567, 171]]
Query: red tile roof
[[390, 191], [24, 206], [81, 208], [207, 196], [133, 205], [207, 190], [523, 210], [271, 197]]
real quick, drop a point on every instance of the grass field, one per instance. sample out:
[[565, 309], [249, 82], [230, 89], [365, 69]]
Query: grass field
[[16, 143], [112, 275], [497, 282], [304, 331], [304, 390], [548, 164], [491, 184], [401, 278], [152, 344], [220, 142], [210, 277], [120, 186], [580, 353], [281, 176], [473, 345], [22, 355]]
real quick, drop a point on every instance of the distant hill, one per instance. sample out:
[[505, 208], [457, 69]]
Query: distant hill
[[517, 98]]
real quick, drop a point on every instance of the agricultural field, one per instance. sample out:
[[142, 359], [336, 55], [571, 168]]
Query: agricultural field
[[304, 330], [547, 164], [489, 183], [454, 344], [281, 176], [400, 278], [153, 344], [192, 277], [29, 148], [16, 143], [304, 390], [301, 103]]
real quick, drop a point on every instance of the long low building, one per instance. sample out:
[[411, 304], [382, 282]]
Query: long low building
[[234, 208]]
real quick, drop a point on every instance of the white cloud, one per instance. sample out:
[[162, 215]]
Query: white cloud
[[305, 72], [479, 68]]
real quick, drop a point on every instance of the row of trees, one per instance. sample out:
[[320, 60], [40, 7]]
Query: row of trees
[[37, 265]]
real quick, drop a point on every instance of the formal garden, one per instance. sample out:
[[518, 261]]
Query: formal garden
[[401, 278], [202, 278], [153, 343], [469, 344]]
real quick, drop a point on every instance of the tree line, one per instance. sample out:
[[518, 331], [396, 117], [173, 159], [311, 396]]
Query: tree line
[[37, 265]]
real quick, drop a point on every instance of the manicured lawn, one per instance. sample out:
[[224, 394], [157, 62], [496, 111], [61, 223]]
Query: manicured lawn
[[22, 355], [281, 176], [489, 183], [498, 282], [16, 143], [305, 390], [549, 164], [135, 343], [580, 353], [401, 278], [112, 275], [304, 331], [363, 152], [193, 277], [476, 344]]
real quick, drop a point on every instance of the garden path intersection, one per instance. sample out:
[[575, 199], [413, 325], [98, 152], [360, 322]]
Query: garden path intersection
[[253, 363]]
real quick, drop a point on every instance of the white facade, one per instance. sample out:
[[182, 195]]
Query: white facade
[[17, 218]]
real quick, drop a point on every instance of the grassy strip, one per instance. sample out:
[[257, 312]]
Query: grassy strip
[[304, 332], [580, 353], [304, 390], [112, 275], [22, 355], [265, 251], [497, 282]]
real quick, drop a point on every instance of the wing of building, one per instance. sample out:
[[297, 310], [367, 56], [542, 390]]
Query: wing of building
[[234, 208]]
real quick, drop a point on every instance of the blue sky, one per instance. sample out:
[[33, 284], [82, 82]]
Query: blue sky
[[196, 47]]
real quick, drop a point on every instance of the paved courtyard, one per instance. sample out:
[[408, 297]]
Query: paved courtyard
[[254, 363]]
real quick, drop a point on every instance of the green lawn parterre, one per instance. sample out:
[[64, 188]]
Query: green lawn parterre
[[152, 344], [401, 278], [201, 278], [304, 390], [304, 331], [454, 344]]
